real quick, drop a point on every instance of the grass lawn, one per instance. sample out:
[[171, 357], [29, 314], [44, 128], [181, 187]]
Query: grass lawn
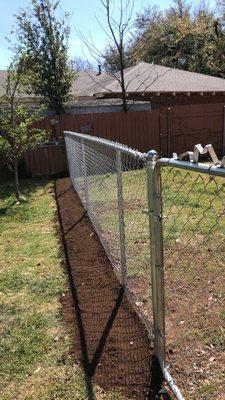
[[34, 342], [194, 257]]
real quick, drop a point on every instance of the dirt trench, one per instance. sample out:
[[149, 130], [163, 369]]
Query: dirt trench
[[108, 337]]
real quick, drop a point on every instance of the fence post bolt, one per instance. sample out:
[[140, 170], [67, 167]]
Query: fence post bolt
[[156, 244], [84, 171], [121, 218]]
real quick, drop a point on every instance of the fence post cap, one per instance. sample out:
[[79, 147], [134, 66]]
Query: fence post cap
[[152, 155]]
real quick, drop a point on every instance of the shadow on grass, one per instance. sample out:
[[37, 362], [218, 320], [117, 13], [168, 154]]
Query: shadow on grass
[[28, 188], [113, 343]]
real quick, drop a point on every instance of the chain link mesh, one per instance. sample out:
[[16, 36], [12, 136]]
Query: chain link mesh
[[194, 258], [95, 170], [111, 182], [137, 236]]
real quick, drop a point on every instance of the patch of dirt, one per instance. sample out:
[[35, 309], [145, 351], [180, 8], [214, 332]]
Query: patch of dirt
[[108, 337]]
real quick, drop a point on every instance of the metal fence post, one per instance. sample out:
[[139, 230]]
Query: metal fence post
[[68, 152], [84, 171], [121, 217], [223, 134], [71, 160], [156, 243], [168, 131]]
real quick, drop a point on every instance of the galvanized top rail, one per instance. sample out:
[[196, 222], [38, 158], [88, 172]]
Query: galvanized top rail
[[108, 143], [215, 170]]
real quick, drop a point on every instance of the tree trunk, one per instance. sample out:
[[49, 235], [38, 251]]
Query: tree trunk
[[16, 180], [124, 99], [123, 87]]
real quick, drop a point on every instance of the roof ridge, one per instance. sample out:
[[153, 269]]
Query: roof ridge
[[180, 70]]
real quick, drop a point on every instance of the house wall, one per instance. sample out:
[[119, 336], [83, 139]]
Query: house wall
[[80, 109], [169, 100]]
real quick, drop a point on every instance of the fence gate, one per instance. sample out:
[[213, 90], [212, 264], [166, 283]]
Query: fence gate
[[179, 284]]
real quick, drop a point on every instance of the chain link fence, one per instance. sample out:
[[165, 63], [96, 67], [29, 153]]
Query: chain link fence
[[162, 225], [111, 182], [194, 262]]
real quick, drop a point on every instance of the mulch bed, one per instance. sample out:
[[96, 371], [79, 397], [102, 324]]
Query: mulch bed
[[108, 337]]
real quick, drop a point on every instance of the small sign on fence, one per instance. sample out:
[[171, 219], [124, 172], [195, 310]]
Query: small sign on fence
[[86, 128]]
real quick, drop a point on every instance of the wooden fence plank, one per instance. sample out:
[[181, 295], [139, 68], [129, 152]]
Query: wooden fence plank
[[141, 130]]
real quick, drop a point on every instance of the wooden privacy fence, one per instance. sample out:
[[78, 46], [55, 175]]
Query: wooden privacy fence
[[182, 127], [46, 160], [167, 130], [138, 129]]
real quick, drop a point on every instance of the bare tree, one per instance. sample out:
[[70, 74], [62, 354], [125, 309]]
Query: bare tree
[[119, 23], [81, 64]]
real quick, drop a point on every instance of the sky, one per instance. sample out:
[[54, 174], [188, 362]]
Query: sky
[[83, 18]]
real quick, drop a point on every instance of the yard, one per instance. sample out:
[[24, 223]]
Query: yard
[[35, 343], [194, 245]]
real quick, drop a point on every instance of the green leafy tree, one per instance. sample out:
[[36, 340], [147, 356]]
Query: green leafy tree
[[219, 27], [180, 37], [149, 43], [43, 36], [180, 9], [16, 134]]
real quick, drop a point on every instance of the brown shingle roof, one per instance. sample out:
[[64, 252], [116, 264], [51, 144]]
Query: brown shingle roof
[[149, 78], [88, 83], [141, 78], [85, 85]]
